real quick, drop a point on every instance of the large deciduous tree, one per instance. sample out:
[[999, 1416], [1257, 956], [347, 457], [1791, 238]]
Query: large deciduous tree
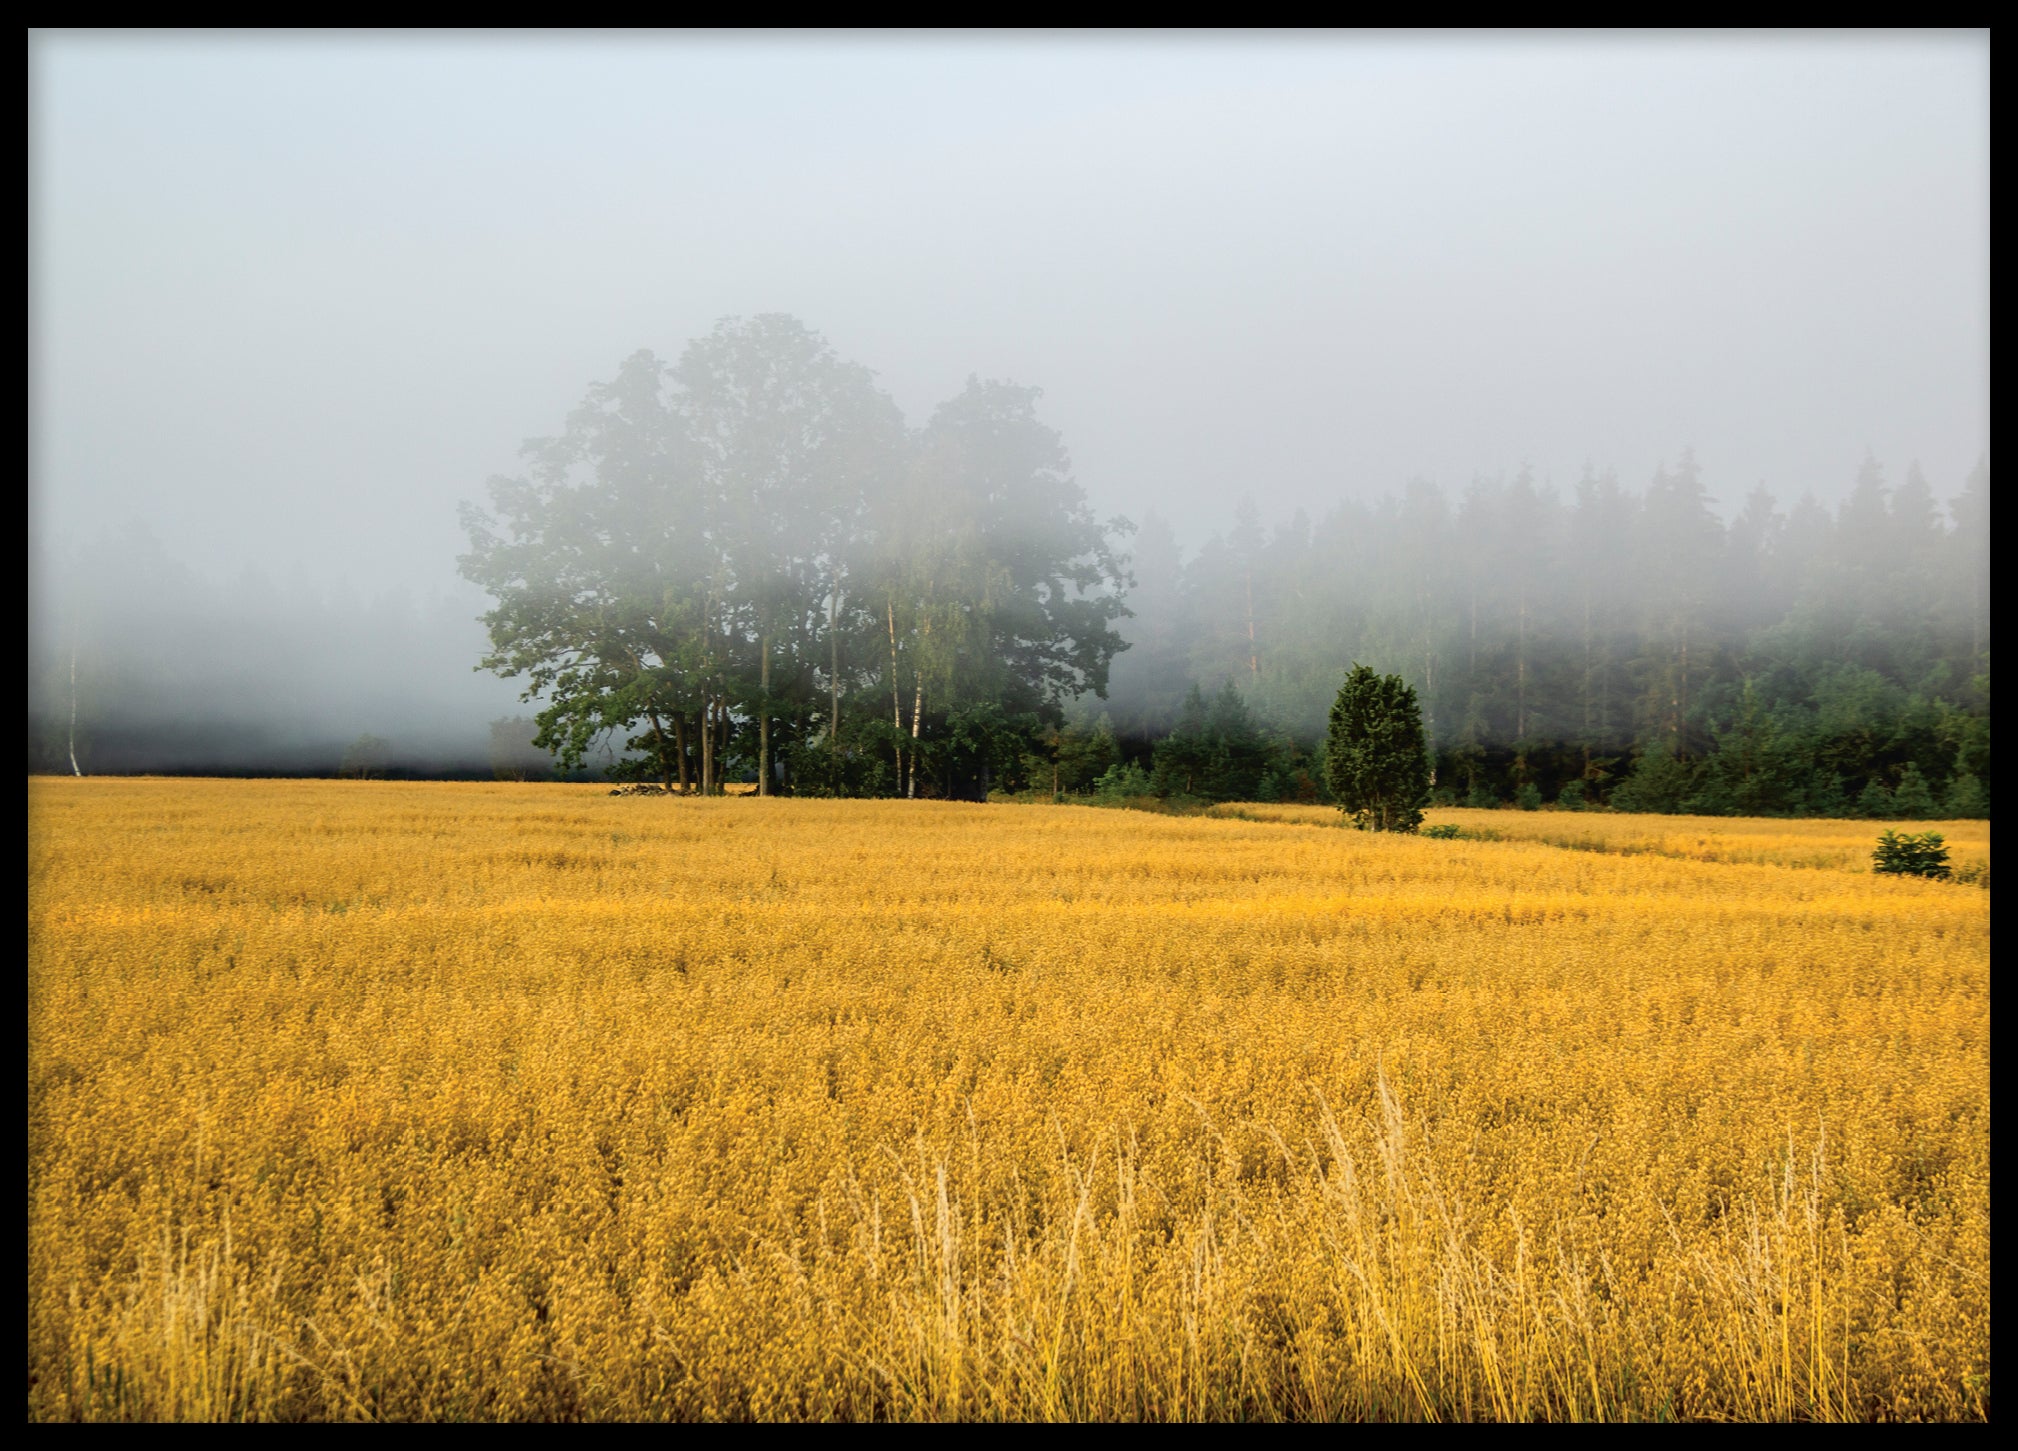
[[720, 556]]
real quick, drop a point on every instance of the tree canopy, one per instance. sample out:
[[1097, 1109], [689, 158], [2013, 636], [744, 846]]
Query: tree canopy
[[744, 562]]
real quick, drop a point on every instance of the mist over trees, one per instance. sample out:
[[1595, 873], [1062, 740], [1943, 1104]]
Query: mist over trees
[[744, 563], [1605, 645], [259, 675]]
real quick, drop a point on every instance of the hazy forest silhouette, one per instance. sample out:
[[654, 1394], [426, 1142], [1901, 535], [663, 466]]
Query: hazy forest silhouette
[[745, 563]]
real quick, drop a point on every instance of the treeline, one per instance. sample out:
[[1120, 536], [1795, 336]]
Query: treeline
[[1601, 648], [745, 566]]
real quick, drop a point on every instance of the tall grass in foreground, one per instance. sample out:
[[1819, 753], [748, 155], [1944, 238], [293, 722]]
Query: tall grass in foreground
[[377, 1101]]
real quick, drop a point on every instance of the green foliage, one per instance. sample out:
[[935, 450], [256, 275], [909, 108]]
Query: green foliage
[[1571, 797], [1529, 797], [1784, 659], [1910, 798], [1826, 796], [1909, 854], [856, 770], [1216, 752], [1875, 801], [1446, 832], [1289, 783], [1759, 767], [1965, 800], [988, 744], [1376, 756], [1121, 782], [1237, 756], [1181, 757], [1063, 760], [1659, 782]]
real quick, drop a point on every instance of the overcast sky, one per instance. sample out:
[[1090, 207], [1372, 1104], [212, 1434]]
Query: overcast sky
[[293, 297]]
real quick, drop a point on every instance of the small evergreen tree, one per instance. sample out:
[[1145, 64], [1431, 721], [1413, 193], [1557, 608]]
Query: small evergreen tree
[[1183, 756], [1914, 855], [1377, 757], [1236, 754], [1529, 797], [1874, 800]]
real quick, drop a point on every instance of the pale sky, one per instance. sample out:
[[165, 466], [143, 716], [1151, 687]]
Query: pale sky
[[294, 296]]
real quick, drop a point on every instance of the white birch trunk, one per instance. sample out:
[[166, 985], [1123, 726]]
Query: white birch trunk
[[75, 769]]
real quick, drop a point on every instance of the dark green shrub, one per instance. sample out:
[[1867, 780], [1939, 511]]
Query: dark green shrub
[[1120, 782], [1446, 832], [1911, 854]]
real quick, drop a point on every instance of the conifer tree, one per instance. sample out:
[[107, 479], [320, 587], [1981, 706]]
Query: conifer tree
[[1376, 757]]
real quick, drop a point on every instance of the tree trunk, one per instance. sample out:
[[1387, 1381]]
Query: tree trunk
[[1587, 685], [834, 670], [1682, 716], [680, 744], [1429, 713], [1977, 615], [1605, 693], [708, 744], [1253, 656], [917, 710], [75, 769], [659, 740], [707, 706], [764, 717], [896, 695]]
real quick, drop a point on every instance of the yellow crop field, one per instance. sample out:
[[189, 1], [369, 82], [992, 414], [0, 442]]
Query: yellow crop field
[[1762, 841], [366, 1100]]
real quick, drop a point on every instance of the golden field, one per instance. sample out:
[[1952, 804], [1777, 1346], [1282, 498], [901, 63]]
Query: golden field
[[1762, 841], [360, 1100]]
